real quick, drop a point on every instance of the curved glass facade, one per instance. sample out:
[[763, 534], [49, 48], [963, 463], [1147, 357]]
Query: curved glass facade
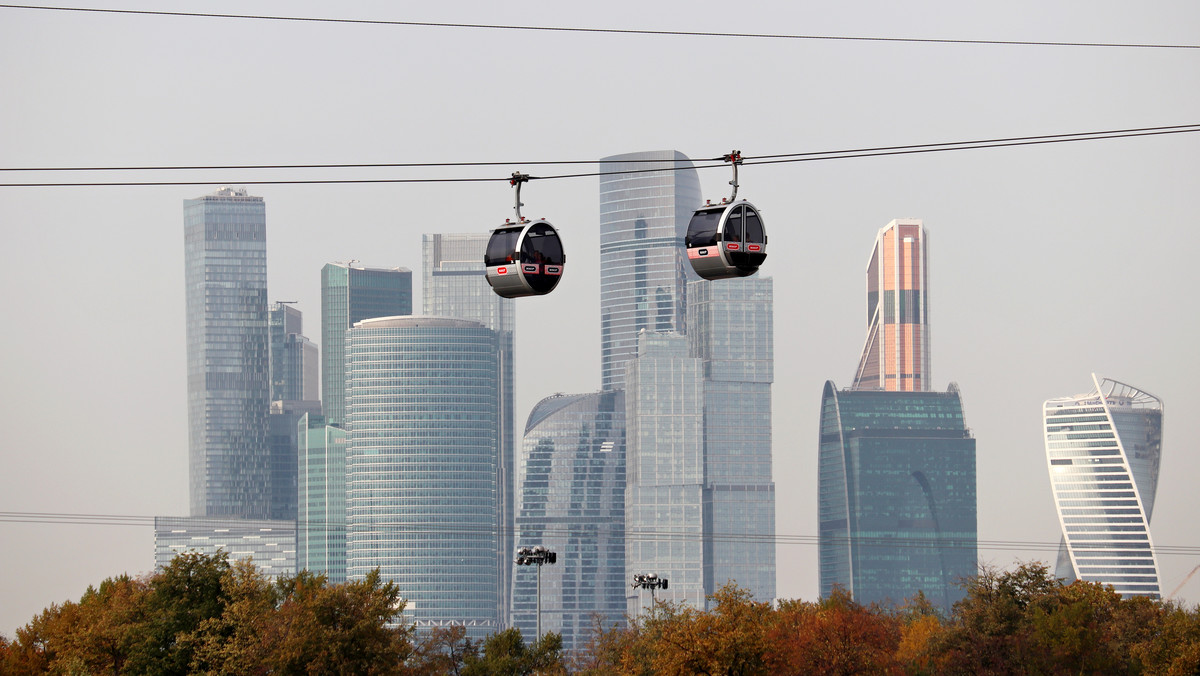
[[643, 262], [422, 489], [572, 476], [454, 285], [897, 495], [1103, 450]]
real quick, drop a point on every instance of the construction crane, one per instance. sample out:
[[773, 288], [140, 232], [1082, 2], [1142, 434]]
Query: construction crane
[[1185, 581]]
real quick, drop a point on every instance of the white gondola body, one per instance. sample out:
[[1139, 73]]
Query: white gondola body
[[726, 240], [524, 259]]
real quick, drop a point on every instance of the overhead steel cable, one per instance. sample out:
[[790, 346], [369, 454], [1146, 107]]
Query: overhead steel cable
[[750, 160], [609, 31], [634, 535], [1079, 136]]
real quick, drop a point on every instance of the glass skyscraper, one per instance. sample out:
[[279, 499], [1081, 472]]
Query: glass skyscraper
[[643, 263], [731, 331], [1103, 450], [294, 365], [897, 502], [896, 354], [573, 501], [293, 394], [664, 469], [228, 378], [422, 488], [321, 503], [351, 294], [454, 285]]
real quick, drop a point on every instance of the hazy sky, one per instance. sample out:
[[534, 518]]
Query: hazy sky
[[1047, 263]]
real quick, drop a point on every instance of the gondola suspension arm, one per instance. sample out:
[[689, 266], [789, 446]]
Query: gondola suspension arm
[[734, 157], [517, 179]]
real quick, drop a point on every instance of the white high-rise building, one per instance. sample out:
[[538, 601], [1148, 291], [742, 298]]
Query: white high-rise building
[[1103, 450]]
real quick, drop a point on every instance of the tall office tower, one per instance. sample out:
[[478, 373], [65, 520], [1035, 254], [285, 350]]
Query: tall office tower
[[573, 502], [350, 294], [896, 495], [293, 357], [731, 331], [228, 376], [454, 286], [282, 442], [422, 489], [293, 394], [321, 491], [664, 469], [1103, 450], [643, 263], [896, 354]]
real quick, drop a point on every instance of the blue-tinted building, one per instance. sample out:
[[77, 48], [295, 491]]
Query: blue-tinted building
[[422, 466], [731, 332], [643, 263], [897, 501], [294, 365], [321, 501], [1103, 451], [454, 285], [293, 394], [573, 501], [664, 470], [350, 294], [228, 365]]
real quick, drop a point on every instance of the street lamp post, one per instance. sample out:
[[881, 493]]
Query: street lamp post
[[649, 581], [539, 556]]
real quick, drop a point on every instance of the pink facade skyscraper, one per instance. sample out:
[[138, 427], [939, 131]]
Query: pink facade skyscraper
[[895, 357]]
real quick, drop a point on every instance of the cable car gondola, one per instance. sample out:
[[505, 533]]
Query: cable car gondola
[[524, 258], [726, 240]]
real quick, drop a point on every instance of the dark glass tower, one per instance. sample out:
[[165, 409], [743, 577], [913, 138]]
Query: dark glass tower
[[351, 294], [573, 501], [896, 495], [228, 365]]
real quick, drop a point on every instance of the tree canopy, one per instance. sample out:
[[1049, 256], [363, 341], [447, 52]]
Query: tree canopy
[[206, 615]]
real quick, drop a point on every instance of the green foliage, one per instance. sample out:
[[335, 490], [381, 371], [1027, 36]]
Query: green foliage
[[506, 654]]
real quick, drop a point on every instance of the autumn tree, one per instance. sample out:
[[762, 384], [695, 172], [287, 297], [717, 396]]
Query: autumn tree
[[833, 636], [441, 650]]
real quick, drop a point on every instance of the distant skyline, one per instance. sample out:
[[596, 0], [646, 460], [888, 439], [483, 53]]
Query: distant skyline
[[1050, 261]]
